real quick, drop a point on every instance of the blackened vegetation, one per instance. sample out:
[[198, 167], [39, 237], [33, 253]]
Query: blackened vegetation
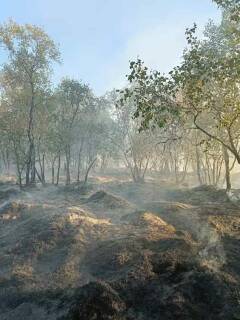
[[159, 289], [99, 257]]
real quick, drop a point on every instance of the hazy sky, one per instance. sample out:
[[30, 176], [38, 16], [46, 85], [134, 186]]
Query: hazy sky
[[97, 38]]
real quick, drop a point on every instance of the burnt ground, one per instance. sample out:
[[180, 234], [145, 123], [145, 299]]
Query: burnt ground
[[119, 251]]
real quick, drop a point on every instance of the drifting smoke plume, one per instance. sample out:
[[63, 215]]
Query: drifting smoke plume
[[212, 253]]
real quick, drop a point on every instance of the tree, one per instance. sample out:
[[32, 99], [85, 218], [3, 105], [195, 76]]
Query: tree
[[136, 147], [30, 55], [232, 7], [152, 94], [154, 107], [203, 90], [209, 79], [12, 130], [73, 99]]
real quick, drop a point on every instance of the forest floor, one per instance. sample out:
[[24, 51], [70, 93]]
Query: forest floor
[[118, 250]]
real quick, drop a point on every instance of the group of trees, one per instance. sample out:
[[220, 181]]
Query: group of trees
[[181, 124], [197, 105], [43, 127]]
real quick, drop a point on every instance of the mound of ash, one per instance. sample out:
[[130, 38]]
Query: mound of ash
[[7, 193], [147, 219], [26, 311], [108, 200], [124, 252], [97, 300], [167, 207], [199, 195], [119, 257], [169, 285], [11, 210], [77, 188], [225, 224], [79, 213]]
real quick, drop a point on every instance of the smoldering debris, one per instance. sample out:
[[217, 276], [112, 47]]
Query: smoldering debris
[[67, 261], [108, 200]]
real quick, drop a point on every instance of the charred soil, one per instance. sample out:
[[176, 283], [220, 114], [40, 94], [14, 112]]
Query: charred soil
[[120, 251]]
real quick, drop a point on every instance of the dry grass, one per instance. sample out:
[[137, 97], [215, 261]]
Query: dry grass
[[226, 224]]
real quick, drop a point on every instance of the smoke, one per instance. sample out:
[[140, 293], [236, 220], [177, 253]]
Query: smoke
[[212, 253], [186, 217]]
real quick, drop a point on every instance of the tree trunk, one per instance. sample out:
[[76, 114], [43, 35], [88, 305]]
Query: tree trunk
[[58, 169], [88, 170], [43, 168], [68, 156], [227, 168], [79, 162], [53, 170], [185, 170], [30, 171], [198, 166], [39, 177], [19, 170], [53, 174]]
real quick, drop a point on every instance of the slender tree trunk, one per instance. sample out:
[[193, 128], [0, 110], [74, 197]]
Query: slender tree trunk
[[227, 169], [39, 176], [53, 174], [88, 170], [33, 167], [30, 170], [8, 161], [79, 162], [19, 174], [31, 162], [58, 169], [176, 171], [43, 168], [53, 170], [78, 168], [19, 170], [145, 169], [68, 157], [103, 163], [208, 169], [185, 170], [4, 160], [198, 166]]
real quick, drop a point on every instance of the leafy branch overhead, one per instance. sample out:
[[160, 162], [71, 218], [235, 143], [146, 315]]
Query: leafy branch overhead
[[152, 95]]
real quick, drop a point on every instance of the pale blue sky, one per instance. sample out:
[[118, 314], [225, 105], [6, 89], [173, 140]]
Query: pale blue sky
[[97, 38]]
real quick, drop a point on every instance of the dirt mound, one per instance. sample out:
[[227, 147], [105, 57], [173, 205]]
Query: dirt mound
[[97, 300], [78, 212], [169, 284], [225, 224], [26, 311], [5, 194], [148, 219], [206, 188], [42, 246], [167, 207], [11, 210], [117, 257], [199, 195], [108, 200]]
